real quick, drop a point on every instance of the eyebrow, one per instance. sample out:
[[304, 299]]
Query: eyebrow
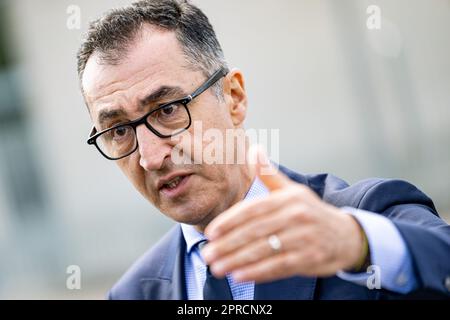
[[105, 115], [163, 92]]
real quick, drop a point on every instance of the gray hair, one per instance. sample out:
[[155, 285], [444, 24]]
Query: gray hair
[[110, 35]]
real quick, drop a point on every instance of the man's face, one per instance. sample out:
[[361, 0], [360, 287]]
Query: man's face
[[114, 94]]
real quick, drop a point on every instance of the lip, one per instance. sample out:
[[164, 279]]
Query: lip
[[173, 175], [179, 189]]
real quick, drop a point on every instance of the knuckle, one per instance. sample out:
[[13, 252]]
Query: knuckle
[[289, 262], [297, 214], [218, 227], [307, 238], [251, 257], [302, 189], [305, 192], [256, 208], [290, 194], [317, 257], [320, 256], [258, 231], [312, 257]]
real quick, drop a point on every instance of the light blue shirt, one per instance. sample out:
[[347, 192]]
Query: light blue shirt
[[389, 254]]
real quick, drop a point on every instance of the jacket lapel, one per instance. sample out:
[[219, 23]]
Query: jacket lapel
[[168, 283]]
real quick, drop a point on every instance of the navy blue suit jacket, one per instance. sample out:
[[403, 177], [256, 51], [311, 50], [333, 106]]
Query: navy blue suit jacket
[[159, 273]]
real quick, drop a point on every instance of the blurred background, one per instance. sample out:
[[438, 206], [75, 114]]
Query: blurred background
[[351, 101]]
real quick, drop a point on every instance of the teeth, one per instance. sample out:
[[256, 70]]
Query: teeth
[[174, 182]]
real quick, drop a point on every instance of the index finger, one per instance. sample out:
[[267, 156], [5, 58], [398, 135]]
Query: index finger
[[246, 210]]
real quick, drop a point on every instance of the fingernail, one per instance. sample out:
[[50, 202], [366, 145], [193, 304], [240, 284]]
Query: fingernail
[[218, 268], [238, 276], [207, 255], [211, 235]]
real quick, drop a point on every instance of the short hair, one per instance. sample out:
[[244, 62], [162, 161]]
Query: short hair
[[110, 35]]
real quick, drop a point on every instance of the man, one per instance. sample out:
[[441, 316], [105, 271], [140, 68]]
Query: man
[[147, 71]]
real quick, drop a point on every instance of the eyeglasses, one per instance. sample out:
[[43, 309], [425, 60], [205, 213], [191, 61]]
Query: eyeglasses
[[167, 120]]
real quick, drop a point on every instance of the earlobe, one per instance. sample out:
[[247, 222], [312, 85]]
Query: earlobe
[[234, 89]]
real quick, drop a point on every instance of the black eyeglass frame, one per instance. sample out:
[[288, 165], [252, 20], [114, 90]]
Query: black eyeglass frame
[[143, 120]]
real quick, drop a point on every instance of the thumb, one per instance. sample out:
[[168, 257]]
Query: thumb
[[261, 166]]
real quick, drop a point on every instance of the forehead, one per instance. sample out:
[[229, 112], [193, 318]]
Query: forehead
[[153, 59]]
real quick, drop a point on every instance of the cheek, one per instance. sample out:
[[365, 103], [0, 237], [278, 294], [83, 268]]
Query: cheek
[[191, 146], [133, 171], [212, 114], [207, 129]]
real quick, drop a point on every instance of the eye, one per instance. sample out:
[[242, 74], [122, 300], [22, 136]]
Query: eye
[[120, 132], [169, 110], [170, 113], [168, 118]]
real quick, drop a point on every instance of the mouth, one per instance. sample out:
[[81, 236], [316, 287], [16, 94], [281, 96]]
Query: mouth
[[174, 186]]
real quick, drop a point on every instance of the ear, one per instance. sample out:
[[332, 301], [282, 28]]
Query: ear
[[235, 96]]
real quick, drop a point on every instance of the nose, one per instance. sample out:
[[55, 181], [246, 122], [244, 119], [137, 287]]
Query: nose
[[152, 149]]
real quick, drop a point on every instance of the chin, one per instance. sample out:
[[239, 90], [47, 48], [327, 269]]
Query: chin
[[190, 214]]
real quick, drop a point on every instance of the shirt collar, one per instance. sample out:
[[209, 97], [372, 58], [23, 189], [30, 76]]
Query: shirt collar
[[192, 236]]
